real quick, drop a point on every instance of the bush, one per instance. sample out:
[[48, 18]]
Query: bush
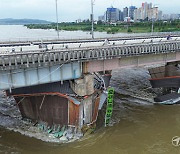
[[112, 30], [129, 30], [86, 28]]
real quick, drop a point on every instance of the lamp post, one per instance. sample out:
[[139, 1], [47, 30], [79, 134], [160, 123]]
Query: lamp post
[[92, 18], [57, 26], [152, 27]]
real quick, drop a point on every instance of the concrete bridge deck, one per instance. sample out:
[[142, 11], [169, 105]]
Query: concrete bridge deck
[[60, 44], [28, 41]]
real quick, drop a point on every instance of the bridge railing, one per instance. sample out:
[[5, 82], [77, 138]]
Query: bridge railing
[[41, 58]]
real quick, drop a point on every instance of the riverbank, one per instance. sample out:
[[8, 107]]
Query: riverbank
[[141, 27]]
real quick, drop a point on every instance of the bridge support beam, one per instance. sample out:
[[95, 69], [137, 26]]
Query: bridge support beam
[[25, 77]]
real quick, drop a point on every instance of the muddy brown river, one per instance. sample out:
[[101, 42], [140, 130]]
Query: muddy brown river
[[138, 125]]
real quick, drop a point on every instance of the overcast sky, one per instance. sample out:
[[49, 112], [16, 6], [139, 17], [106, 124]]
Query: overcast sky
[[70, 10]]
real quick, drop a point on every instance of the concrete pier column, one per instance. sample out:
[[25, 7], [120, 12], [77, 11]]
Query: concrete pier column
[[83, 86]]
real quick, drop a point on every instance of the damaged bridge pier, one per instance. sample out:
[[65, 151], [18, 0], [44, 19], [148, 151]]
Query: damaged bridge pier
[[71, 103], [61, 95], [67, 87], [58, 95]]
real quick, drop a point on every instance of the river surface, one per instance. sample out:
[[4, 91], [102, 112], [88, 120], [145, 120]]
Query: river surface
[[138, 126], [21, 33]]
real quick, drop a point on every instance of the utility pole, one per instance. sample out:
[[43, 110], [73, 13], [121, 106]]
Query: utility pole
[[57, 26], [92, 18]]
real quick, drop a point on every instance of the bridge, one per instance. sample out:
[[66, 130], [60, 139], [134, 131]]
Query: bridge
[[64, 83]]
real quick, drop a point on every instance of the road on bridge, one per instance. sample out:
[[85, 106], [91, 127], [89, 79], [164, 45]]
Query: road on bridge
[[72, 44]]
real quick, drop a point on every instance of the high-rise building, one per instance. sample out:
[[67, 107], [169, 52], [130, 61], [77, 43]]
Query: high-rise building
[[150, 6], [144, 13], [174, 16], [135, 14], [112, 14], [125, 12], [155, 12], [121, 16], [146, 8], [160, 15], [147, 12], [165, 17], [101, 18], [131, 11], [138, 14]]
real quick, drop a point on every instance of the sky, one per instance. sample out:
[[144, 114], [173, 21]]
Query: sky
[[71, 10]]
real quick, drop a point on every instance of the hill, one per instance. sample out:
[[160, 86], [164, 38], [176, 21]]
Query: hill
[[10, 21]]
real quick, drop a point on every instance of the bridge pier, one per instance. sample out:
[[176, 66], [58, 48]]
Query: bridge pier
[[73, 104], [168, 79]]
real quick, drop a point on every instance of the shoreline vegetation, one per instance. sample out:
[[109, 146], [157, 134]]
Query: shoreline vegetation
[[138, 27]]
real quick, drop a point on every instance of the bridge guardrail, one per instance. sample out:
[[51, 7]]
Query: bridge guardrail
[[40, 58]]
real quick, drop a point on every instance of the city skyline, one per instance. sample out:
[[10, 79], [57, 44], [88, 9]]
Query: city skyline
[[45, 9]]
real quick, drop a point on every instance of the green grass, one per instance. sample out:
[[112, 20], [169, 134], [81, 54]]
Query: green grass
[[142, 27]]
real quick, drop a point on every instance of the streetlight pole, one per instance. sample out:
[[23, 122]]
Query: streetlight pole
[[152, 28], [92, 18], [57, 26]]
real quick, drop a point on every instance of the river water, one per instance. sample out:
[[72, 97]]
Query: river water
[[138, 125], [19, 32]]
